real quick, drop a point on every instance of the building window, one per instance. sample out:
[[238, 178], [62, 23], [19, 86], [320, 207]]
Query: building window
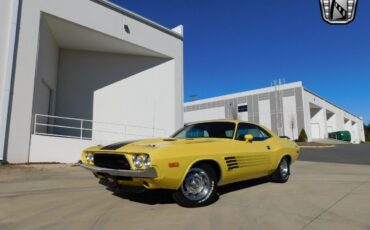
[[243, 108]]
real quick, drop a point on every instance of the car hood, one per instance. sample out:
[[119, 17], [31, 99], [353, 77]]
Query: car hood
[[145, 145]]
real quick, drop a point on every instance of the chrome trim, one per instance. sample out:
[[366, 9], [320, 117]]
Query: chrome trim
[[146, 173]]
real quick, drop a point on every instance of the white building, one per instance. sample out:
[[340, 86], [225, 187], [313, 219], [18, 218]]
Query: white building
[[286, 109], [79, 72]]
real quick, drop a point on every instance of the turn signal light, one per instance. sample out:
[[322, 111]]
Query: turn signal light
[[173, 164]]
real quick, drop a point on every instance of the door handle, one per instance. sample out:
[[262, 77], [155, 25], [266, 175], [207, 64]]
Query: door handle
[[268, 147]]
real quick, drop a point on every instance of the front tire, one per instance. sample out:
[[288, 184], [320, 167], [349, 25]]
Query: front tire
[[199, 187], [282, 173]]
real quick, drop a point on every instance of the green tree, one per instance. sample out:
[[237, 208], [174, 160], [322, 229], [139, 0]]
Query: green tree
[[367, 131], [302, 136]]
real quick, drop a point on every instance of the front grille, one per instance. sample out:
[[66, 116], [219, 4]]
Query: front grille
[[111, 161]]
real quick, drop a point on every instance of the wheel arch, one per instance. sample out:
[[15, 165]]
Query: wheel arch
[[288, 156], [212, 162]]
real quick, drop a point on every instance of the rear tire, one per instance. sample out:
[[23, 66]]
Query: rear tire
[[199, 187], [281, 174]]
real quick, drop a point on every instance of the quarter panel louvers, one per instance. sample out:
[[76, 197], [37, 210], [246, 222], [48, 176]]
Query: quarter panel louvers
[[231, 163]]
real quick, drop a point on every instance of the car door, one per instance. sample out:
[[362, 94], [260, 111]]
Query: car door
[[250, 159]]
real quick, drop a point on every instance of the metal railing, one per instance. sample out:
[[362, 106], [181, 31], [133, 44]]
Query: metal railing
[[58, 126]]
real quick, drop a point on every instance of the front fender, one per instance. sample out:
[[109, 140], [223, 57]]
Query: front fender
[[196, 161], [173, 177]]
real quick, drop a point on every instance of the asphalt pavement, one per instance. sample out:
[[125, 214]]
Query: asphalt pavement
[[346, 154]]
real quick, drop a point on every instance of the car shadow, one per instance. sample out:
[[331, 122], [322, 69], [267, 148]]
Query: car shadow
[[242, 185], [150, 197], [153, 197]]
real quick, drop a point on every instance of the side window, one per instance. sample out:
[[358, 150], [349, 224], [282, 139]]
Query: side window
[[229, 133], [196, 133], [258, 133]]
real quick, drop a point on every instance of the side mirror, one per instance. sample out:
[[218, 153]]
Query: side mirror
[[248, 137]]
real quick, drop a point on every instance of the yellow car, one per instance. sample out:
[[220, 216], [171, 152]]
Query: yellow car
[[195, 160]]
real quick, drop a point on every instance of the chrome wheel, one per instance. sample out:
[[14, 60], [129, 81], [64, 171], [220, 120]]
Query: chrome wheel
[[284, 169], [197, 185]]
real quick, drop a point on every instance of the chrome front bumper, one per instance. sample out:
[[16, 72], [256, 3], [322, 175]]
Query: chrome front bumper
[[146, 173]]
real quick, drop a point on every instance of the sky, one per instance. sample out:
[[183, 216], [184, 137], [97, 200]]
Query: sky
[[237, 45]]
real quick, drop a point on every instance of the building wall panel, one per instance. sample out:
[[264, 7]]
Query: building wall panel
[[140, 100], [290, 117], [206, 114], [87, 14], [264, 115]]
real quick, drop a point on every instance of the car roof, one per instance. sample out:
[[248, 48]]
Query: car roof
[[236, 122], [221, 120]]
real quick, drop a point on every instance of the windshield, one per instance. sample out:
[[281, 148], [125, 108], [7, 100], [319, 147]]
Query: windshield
[[207, 130]]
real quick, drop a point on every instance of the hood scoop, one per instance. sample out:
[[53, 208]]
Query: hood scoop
[[169, 139]]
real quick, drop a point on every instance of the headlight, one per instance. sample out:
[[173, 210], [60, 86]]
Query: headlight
[[138, 161], [147, 161], [141, 160], [90, 157]]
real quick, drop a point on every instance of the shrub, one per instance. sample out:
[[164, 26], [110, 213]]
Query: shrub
[[367, 132], [302, 136]]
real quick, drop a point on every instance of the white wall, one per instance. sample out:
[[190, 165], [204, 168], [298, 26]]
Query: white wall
[[290, 117], [5, 24], [81, 73], [57, 149], [243, 116], [7, 34], [46, 72], [245, 93], [347, 124], [355, 133], [332, 124], [252, 97], [362, 131], [205, 114], [143, 100], [101, 20], [264, 113], [318, 124], [337, 121]]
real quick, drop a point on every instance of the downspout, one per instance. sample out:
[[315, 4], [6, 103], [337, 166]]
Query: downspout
[[6, 91]]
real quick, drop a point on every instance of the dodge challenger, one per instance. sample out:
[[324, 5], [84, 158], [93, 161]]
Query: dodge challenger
[[194, 161]]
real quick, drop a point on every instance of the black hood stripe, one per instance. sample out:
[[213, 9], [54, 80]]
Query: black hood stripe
[[117, 145]]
